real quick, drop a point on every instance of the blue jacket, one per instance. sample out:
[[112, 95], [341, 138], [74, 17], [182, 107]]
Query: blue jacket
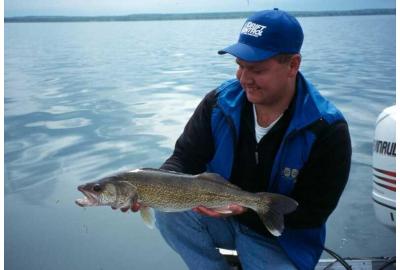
[[303, 246]]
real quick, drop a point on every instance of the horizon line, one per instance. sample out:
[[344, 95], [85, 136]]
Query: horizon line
[[191, 15]]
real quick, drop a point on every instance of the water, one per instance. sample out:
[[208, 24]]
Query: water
[[83, 100]]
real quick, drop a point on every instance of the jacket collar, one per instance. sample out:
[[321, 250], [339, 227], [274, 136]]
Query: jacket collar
[[306, 109], [230, 100]]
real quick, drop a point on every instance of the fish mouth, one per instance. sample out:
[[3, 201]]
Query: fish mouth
[[89, 199]]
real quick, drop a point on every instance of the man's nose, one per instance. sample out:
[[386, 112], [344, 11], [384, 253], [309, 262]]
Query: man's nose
[[245, 77]]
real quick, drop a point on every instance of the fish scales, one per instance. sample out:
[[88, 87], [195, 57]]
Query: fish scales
[[188, 192]]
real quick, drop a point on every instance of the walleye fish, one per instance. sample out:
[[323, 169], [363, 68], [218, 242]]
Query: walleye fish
[[173, 192]]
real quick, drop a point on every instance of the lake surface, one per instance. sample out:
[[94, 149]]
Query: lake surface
[[84, 100]]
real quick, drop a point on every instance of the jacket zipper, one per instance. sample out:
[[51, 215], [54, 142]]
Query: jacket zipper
[[256, 154]]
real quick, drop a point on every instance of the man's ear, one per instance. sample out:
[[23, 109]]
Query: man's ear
[[294, 65]]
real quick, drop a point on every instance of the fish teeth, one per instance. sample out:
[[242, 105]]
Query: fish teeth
[[82, 202]]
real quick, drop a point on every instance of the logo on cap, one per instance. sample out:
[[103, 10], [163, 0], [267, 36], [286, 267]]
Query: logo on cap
[[253, 29]]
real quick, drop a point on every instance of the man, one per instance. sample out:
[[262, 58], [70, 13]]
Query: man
[[267, 130]]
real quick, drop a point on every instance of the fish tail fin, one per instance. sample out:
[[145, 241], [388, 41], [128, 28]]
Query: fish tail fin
[[271, 208]]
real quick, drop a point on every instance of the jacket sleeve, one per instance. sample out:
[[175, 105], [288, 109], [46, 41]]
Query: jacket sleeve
[[195, 147], [323, 178]]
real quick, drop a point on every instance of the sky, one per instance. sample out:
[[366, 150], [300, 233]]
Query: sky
[[126, 7]]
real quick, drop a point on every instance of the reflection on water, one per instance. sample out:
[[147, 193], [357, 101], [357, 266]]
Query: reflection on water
[[83, 100]]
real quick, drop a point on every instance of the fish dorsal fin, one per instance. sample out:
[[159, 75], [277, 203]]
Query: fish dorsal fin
[[160, 170], [214, 177]]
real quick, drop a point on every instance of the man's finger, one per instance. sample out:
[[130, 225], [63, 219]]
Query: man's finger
[[124, 209], [208, 212], [237, 209], [135, 207]]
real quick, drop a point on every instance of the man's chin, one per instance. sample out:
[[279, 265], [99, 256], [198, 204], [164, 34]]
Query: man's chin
[[254, 98]]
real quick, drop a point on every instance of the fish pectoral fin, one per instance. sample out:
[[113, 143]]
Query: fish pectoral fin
[[147, 215]]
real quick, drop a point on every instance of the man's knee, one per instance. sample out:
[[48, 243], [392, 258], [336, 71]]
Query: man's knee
[[177, 222], [178, 228]]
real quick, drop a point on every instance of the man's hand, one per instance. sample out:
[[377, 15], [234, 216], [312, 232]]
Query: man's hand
[[230, 210]]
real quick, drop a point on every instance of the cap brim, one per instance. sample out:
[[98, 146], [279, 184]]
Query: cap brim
[[248, 53]]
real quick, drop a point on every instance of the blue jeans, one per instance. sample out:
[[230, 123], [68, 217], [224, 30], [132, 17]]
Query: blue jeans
[[195, 238]]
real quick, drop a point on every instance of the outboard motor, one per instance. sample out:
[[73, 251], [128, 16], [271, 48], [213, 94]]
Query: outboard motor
[[384, 167]]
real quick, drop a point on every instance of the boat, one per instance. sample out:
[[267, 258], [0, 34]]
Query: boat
[[334, 263]]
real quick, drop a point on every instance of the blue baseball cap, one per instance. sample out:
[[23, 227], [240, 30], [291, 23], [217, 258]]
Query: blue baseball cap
[[266, 34]]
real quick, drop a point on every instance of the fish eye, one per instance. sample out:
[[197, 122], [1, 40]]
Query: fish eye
[[97, 188]]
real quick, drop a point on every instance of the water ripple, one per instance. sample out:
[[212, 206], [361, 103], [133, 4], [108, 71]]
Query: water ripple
[[62, 124]]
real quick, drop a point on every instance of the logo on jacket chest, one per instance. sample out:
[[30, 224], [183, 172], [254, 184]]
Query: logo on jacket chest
[[290, 173]]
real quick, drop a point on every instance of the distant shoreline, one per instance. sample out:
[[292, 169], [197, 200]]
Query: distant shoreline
[[190, 16]]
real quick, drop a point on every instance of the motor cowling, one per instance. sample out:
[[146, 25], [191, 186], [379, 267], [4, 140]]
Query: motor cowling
[[384, 167]]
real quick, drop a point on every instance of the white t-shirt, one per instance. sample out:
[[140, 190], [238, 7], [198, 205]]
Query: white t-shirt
[[261, 131]]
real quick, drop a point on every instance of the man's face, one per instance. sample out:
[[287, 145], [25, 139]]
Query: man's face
[[267, 82]]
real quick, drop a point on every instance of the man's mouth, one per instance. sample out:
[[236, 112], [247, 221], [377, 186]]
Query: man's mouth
[[251, 89]]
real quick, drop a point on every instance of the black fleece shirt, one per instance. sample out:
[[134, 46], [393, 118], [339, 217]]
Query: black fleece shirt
[[319, 183]]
